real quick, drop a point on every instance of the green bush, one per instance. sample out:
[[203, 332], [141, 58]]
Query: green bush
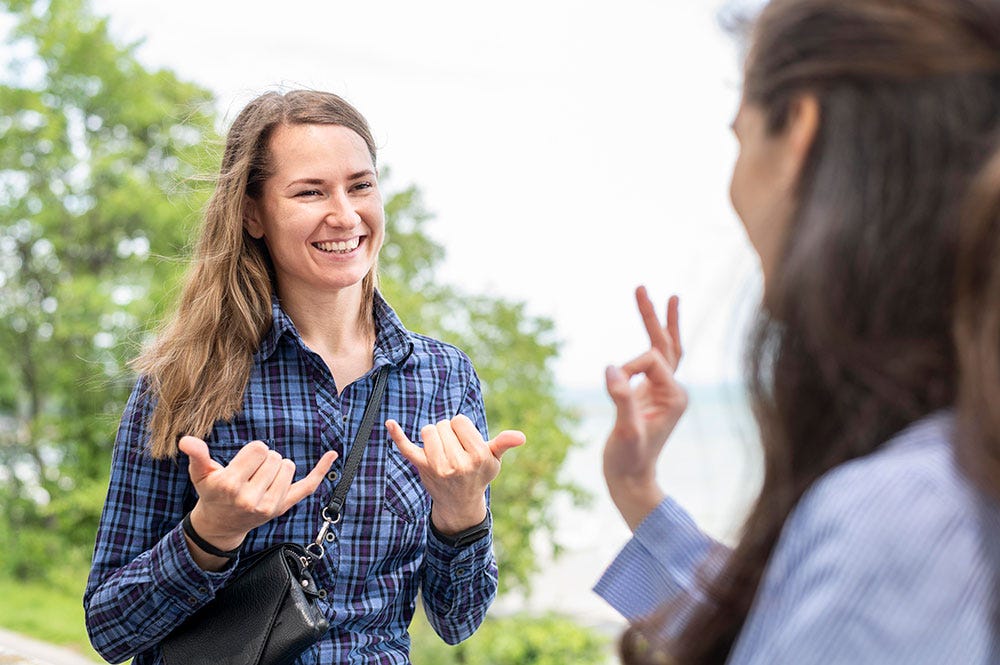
[[519, 639]]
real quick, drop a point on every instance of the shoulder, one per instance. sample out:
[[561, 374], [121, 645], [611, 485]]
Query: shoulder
[[902, 517], [912, 480], [877, 550], [436, 353]]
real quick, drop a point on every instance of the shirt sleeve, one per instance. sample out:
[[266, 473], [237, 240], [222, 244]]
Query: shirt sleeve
[[459, 584], [660, 567], [143, 581], [874, 568]]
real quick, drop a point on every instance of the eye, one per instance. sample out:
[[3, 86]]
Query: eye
[[363, 185], [309, 192]]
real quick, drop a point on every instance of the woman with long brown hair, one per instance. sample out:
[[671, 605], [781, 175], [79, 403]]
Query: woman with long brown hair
[[868, 182], [260, 380]]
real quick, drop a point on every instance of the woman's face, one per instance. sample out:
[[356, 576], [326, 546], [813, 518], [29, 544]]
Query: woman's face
[[764, 178], [320, 213]]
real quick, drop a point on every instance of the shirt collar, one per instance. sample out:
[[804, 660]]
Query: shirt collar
[[393, 342]]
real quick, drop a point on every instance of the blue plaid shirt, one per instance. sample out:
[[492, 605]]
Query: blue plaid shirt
[[143, 582]]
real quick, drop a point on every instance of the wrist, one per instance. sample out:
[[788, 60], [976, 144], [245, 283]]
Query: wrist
[[467, 536], [635, 498], [450, 522], [203, 531]]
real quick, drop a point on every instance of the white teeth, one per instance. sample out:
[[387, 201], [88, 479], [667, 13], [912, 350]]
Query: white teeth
[[341, 247]]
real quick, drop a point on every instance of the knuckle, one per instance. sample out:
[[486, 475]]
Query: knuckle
[[257, 447], [229, 487]]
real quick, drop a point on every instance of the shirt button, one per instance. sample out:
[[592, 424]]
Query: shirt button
[[191, 600], [332, 476], [345, 418], [460, 572], [202, 590]]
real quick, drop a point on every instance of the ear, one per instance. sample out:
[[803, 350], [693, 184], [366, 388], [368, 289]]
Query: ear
[[800, 132], [251, 218]]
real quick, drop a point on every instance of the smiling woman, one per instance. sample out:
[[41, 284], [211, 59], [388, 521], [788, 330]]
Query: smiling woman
[[260, 379]]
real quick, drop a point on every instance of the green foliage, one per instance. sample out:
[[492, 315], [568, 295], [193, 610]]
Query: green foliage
[[95, 154], [513, 640], [48, 611]]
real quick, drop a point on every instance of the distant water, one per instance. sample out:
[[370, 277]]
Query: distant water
[[711, 465]]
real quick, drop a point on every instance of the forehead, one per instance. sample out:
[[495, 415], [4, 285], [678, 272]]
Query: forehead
[[296, 147]]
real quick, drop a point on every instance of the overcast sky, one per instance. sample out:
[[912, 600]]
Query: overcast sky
[[569, 150]]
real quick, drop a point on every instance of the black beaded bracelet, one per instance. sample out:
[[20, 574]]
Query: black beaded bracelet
[[203, 544]]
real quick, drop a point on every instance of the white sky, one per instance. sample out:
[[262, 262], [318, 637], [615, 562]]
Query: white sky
[[570, 150]]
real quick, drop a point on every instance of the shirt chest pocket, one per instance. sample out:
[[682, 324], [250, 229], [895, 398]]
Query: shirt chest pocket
[[405, 495]]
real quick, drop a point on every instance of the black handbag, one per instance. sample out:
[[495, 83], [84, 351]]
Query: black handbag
[[268, 614]]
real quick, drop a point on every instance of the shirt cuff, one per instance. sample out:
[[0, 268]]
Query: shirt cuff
[[660, 563], [458, 563], [186, 585]]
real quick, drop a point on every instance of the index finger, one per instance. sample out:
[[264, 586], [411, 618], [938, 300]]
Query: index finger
[[248, 459], [657, 333]]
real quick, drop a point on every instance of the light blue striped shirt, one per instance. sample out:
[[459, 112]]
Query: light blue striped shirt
[[891, 558]]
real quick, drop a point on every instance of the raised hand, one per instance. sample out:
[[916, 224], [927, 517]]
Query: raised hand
[[646, 413], [254, 488], [455, 465]]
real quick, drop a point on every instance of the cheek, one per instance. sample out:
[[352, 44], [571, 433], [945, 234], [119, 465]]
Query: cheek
[[739, 189], [374, 218]]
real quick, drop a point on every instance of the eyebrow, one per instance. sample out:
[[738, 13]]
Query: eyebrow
[[367, 173]]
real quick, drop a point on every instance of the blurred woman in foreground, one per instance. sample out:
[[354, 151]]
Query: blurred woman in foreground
[[868, 182]]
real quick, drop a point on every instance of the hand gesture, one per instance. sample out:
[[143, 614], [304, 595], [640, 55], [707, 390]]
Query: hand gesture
[[455, 465], [646, 413], [254, 488]]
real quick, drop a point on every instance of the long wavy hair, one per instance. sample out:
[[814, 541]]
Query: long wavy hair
[[886, 303], [199, 364]]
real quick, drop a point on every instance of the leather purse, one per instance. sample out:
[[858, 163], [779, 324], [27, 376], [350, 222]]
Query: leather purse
[[268, 614]]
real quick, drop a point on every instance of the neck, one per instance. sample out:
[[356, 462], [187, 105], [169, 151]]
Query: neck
[[330, 322]]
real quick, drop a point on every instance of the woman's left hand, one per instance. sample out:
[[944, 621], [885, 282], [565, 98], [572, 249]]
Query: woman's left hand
[[455, 465]]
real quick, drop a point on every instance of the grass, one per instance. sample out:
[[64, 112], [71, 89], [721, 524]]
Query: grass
[[47, 611]]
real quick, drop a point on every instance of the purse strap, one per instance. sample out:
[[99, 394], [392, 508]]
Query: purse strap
[[331, 511]]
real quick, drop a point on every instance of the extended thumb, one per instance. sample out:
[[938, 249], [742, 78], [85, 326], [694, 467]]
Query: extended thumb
[[505, 440], [201, 463]]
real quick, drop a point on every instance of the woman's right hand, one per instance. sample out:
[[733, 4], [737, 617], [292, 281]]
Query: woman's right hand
[[646, 414], [254, 488]]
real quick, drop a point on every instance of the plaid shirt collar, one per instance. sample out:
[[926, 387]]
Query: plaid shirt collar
[[393, 342]]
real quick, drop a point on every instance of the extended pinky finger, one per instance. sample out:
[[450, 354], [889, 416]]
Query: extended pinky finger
[[308, 485]]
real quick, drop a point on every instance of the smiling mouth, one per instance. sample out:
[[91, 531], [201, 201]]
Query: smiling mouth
[[338, 247]]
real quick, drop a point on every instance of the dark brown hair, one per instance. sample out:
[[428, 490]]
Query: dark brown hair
[[886, 303]]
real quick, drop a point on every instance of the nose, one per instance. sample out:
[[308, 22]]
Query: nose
[[341, 212]]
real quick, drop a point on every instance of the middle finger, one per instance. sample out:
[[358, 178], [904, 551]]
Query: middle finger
[[450, 444]]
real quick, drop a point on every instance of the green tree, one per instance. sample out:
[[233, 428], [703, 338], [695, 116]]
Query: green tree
[[99, 195], [512, 352], [95, 151]]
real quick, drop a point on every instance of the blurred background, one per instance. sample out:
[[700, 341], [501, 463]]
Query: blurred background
[[541, 159]]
